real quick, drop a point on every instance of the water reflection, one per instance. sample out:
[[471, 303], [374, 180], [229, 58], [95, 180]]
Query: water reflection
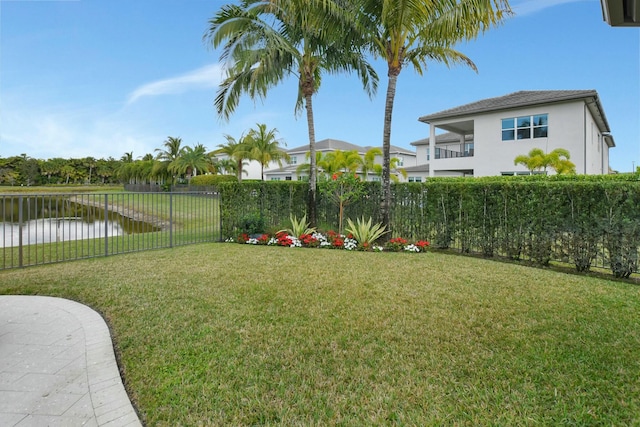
[[49, 230]]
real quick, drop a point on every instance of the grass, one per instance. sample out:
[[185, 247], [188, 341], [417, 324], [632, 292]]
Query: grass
[[61, 188], [224, 334]]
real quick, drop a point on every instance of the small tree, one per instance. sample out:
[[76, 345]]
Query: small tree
[[558, 160], [342, 188]]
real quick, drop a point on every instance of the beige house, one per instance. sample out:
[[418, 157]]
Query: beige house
[[483, 138]]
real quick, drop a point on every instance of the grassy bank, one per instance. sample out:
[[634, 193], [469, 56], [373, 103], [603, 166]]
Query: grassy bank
[[224, 334], [48, 189]]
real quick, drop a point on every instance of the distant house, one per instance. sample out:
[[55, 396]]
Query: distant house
[[300, 155], [483, 138], [621, 13]]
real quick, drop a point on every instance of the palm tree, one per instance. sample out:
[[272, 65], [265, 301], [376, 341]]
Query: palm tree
[[266, 41], [558, 160], [166, 157], [369, 162], [409, 32], [237, 151], [191, 160], [340, 161], [225, 166], [90, 163], [264, 147]]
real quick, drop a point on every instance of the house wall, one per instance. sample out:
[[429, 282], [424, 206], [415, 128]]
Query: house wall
[[570, 126]]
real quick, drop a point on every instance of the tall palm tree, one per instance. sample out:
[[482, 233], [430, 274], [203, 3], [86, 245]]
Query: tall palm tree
[[410, 32], [265, 41], [237, 151], [264, 147]]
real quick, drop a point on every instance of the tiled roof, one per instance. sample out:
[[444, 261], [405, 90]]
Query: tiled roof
[[443, 138], [512, 100], [327, 145]]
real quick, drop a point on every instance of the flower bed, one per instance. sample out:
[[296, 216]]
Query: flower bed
[[330, 240]]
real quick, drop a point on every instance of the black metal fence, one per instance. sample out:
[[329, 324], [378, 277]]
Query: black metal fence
[[49, 228]]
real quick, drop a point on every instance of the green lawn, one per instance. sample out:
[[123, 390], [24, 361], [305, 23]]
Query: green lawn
[[227, 334]]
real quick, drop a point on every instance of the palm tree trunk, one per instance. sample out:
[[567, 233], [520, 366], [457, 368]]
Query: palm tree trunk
[[385, 207], [313, 210]]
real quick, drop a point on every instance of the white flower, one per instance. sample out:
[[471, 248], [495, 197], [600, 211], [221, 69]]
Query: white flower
[[230, 240], [252, 241], [412, 248], [319, 237], [350, 244], [378, 248]]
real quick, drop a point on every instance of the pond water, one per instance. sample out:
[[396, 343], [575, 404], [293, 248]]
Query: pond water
[[49, 230]]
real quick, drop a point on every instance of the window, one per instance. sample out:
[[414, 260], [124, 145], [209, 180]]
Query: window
[[375, 179], [293, 160], [400, 161], [415, 179], [468, 149], [287, 178], [275, 178], [525, 127]]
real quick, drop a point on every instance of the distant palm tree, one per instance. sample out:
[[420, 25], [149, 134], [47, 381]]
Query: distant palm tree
[[340, 161], [369, 164], [558, 160], [237, 151], [191, 160], [264, 147], [266, 41], [166, 157], [409, 32]]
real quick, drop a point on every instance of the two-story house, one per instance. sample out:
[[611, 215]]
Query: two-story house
[[483, 138], [300, 155]]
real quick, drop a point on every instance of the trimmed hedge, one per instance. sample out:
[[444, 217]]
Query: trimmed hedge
[[205, 180], [582, 220]]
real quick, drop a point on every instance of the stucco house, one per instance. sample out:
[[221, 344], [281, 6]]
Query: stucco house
[[483, 138], [300, 155]]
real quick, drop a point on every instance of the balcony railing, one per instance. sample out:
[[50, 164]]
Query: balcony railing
[[442, 153]]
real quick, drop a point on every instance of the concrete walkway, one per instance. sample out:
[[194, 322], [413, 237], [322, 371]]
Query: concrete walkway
[[57, 366]]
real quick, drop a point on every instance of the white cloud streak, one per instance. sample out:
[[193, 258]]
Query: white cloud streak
[[202, 78], [528, 7]]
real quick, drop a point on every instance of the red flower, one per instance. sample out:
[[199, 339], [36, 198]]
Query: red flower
[[422, 244], [334, 176], [338, 243]]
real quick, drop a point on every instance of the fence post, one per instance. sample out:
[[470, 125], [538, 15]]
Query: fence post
[[106, 225], [20, 219], [171, 219]]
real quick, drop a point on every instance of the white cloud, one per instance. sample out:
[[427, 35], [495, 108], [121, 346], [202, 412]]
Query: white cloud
[[527, 7], [202, 78]]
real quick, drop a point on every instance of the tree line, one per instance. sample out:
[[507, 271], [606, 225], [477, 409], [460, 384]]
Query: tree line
[[173, 163]]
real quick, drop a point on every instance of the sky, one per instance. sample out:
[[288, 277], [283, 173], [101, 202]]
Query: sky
[[101, 78]]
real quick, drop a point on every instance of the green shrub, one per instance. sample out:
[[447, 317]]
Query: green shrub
[[204, 180], [252, 224]]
